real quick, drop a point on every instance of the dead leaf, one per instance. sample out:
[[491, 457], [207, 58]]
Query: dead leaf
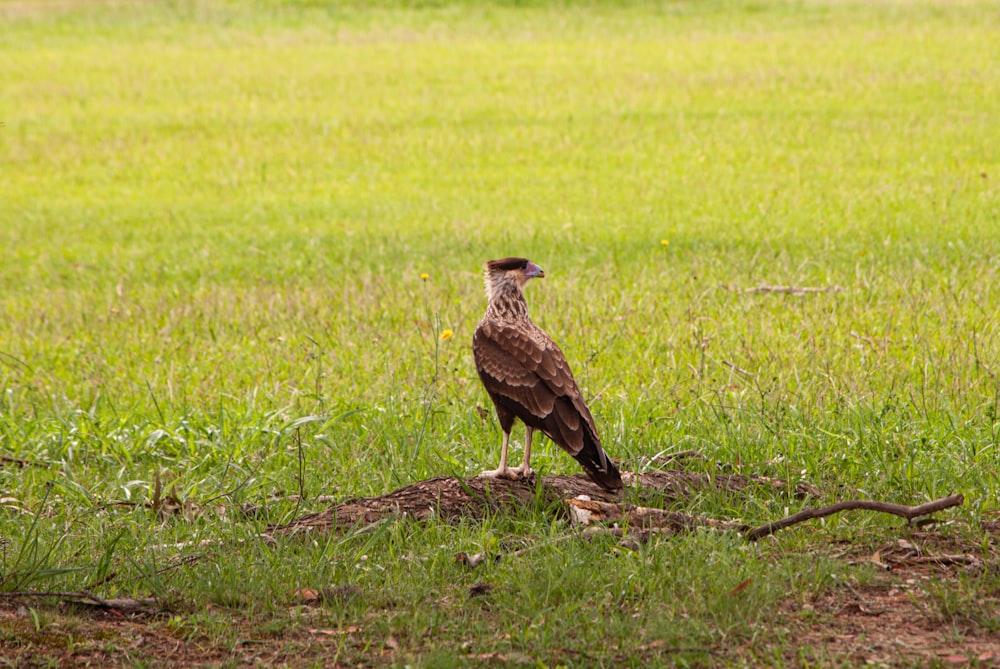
[[306, 596], [326, 595], [12, 503], [741, 587], [391, 643]]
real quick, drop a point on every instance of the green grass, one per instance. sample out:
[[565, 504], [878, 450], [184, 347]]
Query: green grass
[[213, 221]]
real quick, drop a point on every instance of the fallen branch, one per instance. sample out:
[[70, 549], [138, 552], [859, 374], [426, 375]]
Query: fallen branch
[[127, 605], [908, 512], [587, 511]]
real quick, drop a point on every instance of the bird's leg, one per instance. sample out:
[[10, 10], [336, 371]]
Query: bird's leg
[[524, 469], [502, 471]]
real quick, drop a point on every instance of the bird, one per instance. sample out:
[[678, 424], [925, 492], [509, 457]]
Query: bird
[[527, 377]]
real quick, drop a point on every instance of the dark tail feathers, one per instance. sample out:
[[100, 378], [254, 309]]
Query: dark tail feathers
[[599, 467]]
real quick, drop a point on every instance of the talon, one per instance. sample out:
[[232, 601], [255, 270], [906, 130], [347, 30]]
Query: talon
[[511, 474]]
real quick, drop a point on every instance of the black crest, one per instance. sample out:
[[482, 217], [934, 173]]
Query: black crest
[[507, 264]]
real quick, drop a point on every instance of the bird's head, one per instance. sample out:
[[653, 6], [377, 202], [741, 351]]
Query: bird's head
[[510, 272]]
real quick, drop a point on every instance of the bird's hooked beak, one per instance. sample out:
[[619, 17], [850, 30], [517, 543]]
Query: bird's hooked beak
[[533, 271]]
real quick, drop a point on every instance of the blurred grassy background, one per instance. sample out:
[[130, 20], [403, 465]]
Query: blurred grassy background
[[219, 208]]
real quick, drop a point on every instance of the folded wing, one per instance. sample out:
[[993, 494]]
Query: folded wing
[[526, 374]]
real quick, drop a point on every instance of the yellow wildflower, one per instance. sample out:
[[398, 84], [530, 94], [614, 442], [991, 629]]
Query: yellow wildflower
[[664, 242], [425, 276], [446, 334]]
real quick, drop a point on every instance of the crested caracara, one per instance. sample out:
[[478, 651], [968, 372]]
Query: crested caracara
[[527, 377]]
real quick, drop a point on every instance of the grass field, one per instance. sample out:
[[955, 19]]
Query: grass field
[[214, 222]]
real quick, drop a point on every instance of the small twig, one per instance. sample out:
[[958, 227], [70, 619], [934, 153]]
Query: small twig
[[53, 593], [179, 562], [793, 290], [959, 560], [110, 576], [21, 462], [908, 512], [945, 560]]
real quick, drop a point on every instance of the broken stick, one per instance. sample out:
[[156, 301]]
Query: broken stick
[[588, 511], [908, 512]]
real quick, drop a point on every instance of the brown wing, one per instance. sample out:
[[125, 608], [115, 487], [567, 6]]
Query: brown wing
[[525, 372], [527, 376]]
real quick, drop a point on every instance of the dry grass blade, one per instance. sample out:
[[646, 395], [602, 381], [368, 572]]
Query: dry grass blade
[[794, 290]]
